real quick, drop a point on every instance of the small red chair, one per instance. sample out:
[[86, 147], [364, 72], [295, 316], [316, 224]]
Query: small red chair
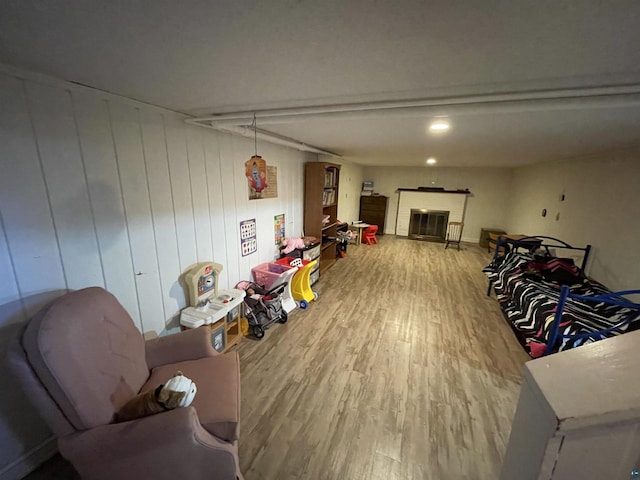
[[369, 235]]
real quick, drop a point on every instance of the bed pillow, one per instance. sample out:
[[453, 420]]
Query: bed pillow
[[557, 270]]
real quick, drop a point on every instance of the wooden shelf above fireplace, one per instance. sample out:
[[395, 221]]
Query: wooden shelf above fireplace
[[433, 190]]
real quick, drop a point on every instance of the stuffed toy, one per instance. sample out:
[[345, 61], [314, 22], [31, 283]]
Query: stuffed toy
[[178, 391], [288, 245]]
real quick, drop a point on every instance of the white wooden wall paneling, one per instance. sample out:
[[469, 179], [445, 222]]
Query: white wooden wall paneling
[[24, 203], [30, 267], [277, 157], [98, 154], [262, 210], [135, 192], [94, 189], [288, 166], [11, 400], [59, 148], [280, 159], [200, 193], [287, 175], [296, 196], [242, 150], [181, 190], [216, 211], [232, 219], [157, 166], [11, 308], [297, 192], [300, 192], [285, 183]]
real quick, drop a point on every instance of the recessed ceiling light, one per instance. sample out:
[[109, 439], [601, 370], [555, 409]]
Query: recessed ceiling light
[[431, 161], [439, 126]]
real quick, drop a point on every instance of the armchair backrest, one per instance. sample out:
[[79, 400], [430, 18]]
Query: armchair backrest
[[87, 353]]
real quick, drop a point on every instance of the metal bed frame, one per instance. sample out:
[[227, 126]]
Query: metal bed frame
[[614, 298]]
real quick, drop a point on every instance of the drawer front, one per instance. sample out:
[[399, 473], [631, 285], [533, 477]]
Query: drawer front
[[369, 202], [312, 253], [372, 211], [371, 217], [314, 276]]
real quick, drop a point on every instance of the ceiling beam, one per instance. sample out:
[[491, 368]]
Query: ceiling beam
[[560, 99]]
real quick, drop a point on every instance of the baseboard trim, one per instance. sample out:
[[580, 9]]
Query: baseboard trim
[[30, 460]]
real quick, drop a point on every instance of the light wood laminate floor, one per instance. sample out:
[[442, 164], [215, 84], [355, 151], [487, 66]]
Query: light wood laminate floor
[[402, 369]]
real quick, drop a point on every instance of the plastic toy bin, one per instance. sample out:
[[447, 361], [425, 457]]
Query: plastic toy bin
[[301, 284], [266, 274], [286, 261]]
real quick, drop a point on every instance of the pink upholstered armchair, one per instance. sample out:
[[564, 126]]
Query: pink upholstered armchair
[[81, 358]]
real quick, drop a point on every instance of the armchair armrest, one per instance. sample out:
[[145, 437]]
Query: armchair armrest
[[171, 444], [188, 345]]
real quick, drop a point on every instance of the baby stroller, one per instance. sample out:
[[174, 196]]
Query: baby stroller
[[263, 307]]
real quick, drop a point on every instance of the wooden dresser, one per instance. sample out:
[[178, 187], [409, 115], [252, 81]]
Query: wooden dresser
[[373, 210]]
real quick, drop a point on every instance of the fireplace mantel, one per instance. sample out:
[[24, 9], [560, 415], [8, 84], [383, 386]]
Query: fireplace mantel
[[434, 190]]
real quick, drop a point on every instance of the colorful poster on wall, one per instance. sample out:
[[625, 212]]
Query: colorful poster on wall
[[248, 238], [256, 173], [278, 228]]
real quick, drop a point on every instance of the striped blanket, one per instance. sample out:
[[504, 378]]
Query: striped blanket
[[528, 290]]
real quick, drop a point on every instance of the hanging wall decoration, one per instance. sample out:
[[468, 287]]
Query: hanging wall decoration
[[248, 238], [278, 228], [256, 168], [256, 171]]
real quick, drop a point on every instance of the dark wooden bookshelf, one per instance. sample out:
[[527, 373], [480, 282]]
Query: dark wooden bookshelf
[[322, 180]]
